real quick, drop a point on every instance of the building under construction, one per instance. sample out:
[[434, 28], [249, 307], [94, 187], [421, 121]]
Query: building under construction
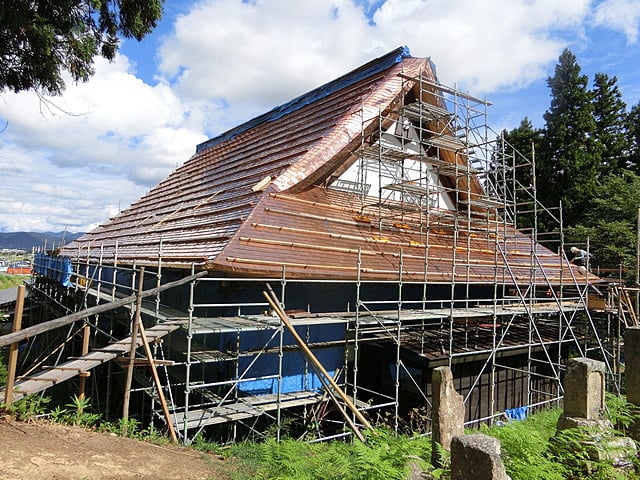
[[316, 263]]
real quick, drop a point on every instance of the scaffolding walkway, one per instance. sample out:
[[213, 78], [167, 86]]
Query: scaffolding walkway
[[244, 408], [60, 373]]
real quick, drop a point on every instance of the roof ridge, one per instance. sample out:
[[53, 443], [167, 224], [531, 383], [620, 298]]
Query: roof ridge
[[370, 68]]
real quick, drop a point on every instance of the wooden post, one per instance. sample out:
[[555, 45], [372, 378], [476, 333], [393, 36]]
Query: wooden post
[[86, 336], [273, 302], [13, 349], [132, 352]]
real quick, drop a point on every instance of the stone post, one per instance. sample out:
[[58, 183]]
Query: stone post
[[476, 456], [447, 414], [632, 364], [584, 387]]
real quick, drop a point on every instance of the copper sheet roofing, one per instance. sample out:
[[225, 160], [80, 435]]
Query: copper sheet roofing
[[253, 201]]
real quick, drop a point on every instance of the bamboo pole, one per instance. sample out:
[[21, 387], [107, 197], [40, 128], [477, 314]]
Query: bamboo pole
[[86, 335], [342, 411], [273, 302], [13, 351]]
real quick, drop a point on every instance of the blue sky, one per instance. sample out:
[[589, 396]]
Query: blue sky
[[73, 161]]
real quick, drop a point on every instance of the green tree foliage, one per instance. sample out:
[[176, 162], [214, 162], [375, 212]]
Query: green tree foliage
[[588, 159], [520, 145], [632, 131], [610, 113], [610, 221], [40, 40], [570, 159]]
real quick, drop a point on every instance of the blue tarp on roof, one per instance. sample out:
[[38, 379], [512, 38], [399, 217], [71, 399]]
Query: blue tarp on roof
[[365, 71]]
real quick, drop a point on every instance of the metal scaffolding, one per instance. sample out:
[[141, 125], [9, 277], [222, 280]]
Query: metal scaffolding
[[429, 166]]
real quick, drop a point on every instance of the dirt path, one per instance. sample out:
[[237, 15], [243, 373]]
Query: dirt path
[[44, 450]]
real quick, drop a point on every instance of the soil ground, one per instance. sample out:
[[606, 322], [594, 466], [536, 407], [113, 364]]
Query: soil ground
[[34, 450]]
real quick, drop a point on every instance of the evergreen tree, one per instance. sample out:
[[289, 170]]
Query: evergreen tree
[[633, 139], [609, 112], [520, 145], [610, 222], [41, 39], [568, 164]]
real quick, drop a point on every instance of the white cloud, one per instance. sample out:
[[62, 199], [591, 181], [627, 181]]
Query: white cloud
[[72, 159], [227, 60], [39, 197], [623, 15], [483, 46], [252, 56]]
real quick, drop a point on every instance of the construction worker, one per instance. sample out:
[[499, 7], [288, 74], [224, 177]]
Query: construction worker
[[580, 257]]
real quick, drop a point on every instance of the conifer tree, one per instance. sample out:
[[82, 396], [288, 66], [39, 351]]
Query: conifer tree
[[569, 161], [609, 111], [39, 40], [632, 160], [610, 221], [520, 146]]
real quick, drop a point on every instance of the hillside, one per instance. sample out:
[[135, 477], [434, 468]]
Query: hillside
[[28, 240]]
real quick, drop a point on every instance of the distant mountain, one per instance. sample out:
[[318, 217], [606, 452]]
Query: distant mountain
[[28, 240]]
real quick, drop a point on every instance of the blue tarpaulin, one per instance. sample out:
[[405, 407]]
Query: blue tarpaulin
[[297, 374], [519, 413], [55, 268]]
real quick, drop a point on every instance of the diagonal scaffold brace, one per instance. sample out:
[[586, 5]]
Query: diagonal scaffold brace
[[332, 388]]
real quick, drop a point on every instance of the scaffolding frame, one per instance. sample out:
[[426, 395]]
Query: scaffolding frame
[[415, 146]]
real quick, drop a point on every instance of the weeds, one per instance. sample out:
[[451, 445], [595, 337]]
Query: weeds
[[531, 448], [621, 413], [524, 446], [28, 408], [587, 452], [78, 415]]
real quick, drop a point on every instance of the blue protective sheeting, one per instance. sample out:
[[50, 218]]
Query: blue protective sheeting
[[55, 268], [519, 413], [365, 71], [297, 374]]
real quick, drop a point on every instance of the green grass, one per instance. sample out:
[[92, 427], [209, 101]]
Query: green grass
[[8, 281]]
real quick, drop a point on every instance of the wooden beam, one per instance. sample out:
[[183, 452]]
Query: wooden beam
[[275, 304], [86, 336], [29, 332], [13, 351], [156, 379]]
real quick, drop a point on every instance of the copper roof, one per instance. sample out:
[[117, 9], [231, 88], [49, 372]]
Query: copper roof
[[254, 201]]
